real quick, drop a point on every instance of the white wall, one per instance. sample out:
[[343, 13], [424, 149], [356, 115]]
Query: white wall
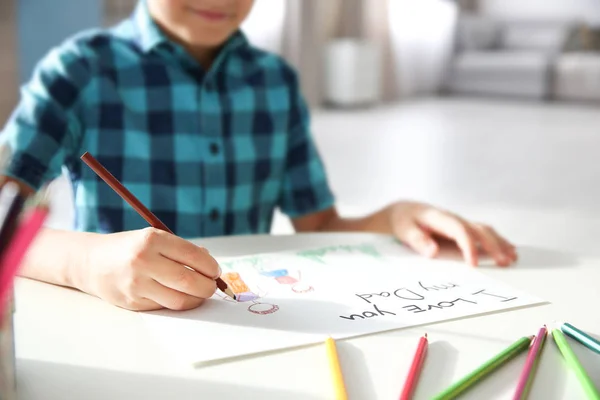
[[588, 10], [264, 26], [422, 35]]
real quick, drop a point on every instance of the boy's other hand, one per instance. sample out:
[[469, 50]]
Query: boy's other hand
[[418, 224], [146, 270]]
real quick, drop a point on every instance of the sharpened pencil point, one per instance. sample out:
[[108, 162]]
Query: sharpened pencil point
[[230, 293]]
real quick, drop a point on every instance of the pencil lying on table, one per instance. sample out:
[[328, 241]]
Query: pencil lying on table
[[336, 370], [415, 369], [137, 205], [486, 369], [581, 337], [584, 379], [531, 363]]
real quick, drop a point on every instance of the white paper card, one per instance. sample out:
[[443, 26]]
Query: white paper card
[[302, 297]]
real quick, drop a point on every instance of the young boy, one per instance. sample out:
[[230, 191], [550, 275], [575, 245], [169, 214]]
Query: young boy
[[209, 132]]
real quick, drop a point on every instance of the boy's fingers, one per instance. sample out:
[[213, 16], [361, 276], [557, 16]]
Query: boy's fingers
[[492, 244], [186, 253], [509, 249], [139, 305], [181, 279], [169, 298], [453, 228], [419, 240]]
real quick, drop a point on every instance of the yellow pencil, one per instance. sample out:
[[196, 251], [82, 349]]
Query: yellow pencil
[[336, 370]]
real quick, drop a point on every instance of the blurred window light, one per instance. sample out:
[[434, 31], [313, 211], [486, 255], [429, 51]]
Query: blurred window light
[[264, 26]]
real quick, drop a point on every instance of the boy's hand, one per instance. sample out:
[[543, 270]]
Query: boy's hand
[[145, 270], [417, 224]]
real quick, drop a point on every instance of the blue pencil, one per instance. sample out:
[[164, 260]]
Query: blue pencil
[[581, 337]]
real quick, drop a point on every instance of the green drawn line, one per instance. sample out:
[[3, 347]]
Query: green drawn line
[[317, 255]]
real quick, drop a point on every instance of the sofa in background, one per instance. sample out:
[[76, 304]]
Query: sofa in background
[[577, 70], [535, 60], [508, 58]]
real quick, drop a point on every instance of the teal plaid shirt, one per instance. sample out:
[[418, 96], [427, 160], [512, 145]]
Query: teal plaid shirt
[[209, 152]]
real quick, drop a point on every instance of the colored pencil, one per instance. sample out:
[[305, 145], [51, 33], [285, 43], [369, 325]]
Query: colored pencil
[[582, 337], [530, 367], [11, 205], [586, 383], [486, 369], [11, 260], [137, 205], [415, 369], [336, 370]]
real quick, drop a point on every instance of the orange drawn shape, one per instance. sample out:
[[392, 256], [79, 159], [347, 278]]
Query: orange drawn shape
[[235, 282]]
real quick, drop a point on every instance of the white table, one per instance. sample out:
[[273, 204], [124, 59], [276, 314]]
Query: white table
[[73, 346]]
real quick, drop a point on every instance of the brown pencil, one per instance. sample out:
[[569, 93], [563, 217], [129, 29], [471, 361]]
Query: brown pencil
[[137, 205]]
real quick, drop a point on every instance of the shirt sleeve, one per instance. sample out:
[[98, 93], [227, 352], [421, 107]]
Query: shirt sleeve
[[305, 186], [43, 129]]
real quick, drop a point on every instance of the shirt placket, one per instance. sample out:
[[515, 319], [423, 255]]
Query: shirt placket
[[214, 161]]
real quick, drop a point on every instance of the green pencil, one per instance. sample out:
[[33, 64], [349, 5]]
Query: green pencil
[[487, 368], [571, 359]]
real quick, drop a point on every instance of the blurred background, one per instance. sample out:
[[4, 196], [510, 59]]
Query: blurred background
[[487, 107]]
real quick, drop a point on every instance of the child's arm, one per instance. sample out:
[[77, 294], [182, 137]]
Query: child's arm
[[417, 225], [307, 199], [136, 270]]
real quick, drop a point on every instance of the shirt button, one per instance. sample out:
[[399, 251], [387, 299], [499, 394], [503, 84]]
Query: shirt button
[[214, 214], [214, 148]]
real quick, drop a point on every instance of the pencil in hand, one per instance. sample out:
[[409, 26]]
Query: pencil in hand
[[415, 369], [138, 206]]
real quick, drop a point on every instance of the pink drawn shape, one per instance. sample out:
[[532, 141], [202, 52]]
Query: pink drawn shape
[[246, 296], [286, 280], [263, 308]]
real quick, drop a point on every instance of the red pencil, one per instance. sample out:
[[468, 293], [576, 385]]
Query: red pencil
[[11, 260], [415, 370], [529, 369]]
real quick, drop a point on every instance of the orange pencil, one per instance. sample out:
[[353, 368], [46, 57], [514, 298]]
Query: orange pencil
[[415, 369]]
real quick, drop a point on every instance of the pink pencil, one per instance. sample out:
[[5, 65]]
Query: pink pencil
[[10, 263], [528, 372]]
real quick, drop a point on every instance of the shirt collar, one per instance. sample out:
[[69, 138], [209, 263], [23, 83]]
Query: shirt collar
[[150, 35]]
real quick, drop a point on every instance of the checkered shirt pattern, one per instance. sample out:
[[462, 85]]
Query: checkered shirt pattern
[[211, 153]]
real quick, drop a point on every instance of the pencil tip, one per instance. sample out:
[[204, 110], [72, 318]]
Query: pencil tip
[[230, 293]]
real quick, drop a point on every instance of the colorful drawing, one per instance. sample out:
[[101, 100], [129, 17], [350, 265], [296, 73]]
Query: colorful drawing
[[283, 276], [265, 268], [244, 294]]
